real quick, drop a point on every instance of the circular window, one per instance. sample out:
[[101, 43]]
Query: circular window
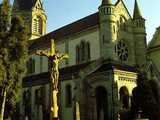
[[122, 51]]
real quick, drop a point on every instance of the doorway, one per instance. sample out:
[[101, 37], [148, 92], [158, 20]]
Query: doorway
[[101, 103]]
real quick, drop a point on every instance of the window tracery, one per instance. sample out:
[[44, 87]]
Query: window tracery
[[122, 51]]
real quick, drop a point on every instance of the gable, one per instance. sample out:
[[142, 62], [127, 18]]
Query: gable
[[155, 40], [121, 10], [38, 4]]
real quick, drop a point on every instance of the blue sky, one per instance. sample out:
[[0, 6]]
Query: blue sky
[[62, 12]]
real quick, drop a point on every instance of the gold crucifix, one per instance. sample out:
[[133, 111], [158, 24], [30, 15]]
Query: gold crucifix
[[54, 57]]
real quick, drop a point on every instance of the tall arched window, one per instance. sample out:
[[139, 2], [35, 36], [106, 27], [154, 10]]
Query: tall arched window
[[102, 103], [41, 63], [27, 103], [83, 52], [37, 25], [82, 49], [77, 53], [88, 55], [40, 96], [68, 94], [31, 66]]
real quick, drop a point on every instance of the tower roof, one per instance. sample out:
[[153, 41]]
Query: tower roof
[[155, 42], [24, 4], [106, 2], [137, 13]]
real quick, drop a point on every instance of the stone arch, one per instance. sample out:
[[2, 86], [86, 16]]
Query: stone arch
[[101, 103], [124, 97]]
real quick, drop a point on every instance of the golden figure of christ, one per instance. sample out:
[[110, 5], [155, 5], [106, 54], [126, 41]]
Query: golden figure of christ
[[54, 58]]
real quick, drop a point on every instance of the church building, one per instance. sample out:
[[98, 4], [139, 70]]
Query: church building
[[104, 48], [153, 52]]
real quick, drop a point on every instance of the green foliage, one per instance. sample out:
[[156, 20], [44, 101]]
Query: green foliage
[[13, 52], [4, 15], [146, 96]]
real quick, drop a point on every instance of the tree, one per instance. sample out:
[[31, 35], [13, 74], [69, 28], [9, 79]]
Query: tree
[[13, 55], [146, 96]]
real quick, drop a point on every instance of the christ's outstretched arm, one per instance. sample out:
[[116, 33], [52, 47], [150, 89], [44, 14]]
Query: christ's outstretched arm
[[63, 56]]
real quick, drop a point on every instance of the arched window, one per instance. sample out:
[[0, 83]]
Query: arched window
[[68, 94], [88, 51], [124, 97], [77, 53], [121, 20], [118, 24], [37, 25], [83, 52], [102, 103], [39, 96], [41, 63], [123, 25], [27, 103], [31, 66], [114, 29]]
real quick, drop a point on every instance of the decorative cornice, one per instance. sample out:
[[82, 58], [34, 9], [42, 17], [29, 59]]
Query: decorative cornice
[[73, 72]]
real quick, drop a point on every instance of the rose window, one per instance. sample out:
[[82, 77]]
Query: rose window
[[122, 51]]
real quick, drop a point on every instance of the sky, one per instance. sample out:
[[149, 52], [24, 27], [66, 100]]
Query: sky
[[63, 12]]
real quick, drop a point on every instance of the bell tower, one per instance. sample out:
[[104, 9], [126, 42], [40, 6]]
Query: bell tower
[[33, 13], [107, 29]]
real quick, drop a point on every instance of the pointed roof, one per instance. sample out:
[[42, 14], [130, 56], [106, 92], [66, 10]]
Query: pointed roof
[[106, 2], [122, 4], [24, 4], [155, 42], [137, 12]]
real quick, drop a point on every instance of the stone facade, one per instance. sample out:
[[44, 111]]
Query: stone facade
[[98, 78]]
